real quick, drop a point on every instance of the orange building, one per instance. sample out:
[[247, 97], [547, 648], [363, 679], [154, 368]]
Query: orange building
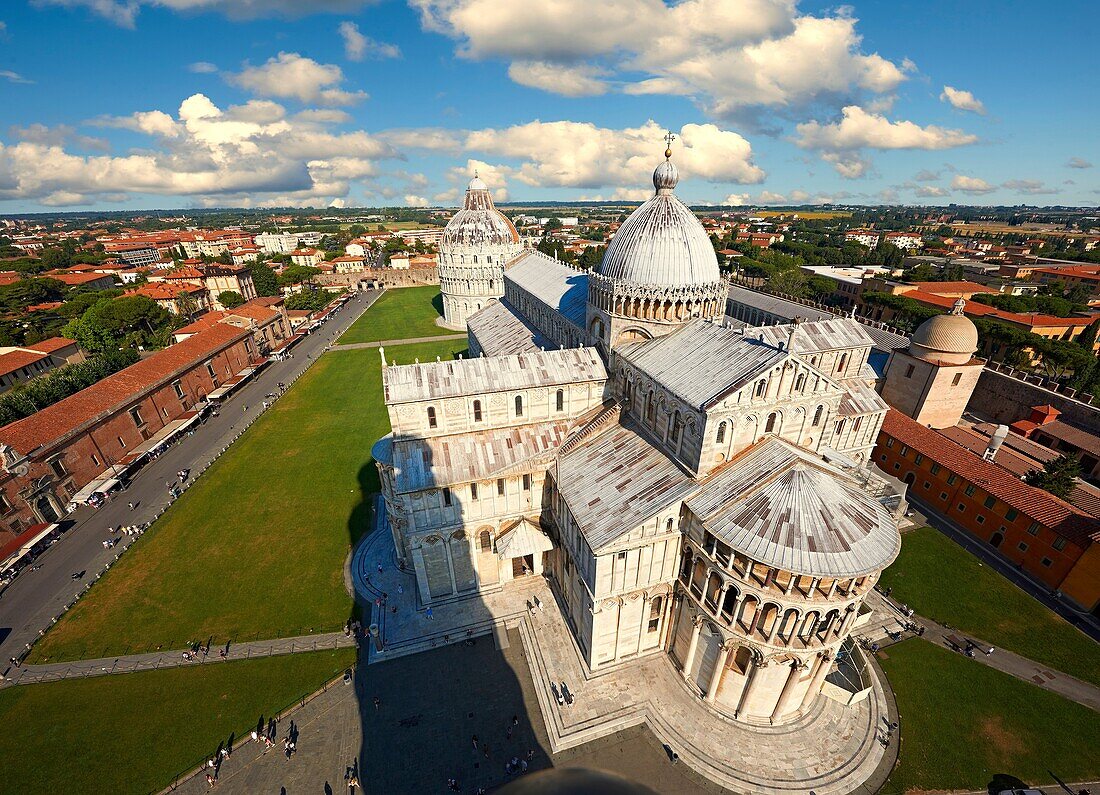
[[1046, 537]]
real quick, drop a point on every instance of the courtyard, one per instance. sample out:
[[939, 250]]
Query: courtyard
[[944, 582]]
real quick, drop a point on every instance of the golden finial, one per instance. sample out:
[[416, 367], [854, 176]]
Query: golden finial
[[669, 138]]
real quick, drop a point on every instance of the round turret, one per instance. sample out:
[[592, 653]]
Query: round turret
[[950, 339]]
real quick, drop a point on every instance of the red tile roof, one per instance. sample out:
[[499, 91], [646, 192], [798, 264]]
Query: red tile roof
[[115, 392], [10, 362], [77, 279], [974, 309], [1041, 506], [944, 288], [52, 344]]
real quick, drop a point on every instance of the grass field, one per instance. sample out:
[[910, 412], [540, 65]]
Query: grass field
[[941, 580], [256, 548], [821, 215], [392, 226], [963, 723], [136, 732], [400, 314]]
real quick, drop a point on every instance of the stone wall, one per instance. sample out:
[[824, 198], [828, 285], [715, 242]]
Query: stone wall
[[382, 277], [1007, 395]]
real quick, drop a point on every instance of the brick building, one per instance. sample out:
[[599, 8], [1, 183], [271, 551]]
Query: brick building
[[102, 431], [1044, 536]]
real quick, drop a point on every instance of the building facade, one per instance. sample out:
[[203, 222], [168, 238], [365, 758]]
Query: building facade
[[690, 489]]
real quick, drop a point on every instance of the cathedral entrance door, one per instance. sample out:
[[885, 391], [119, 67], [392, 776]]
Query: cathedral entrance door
[[523, 566]]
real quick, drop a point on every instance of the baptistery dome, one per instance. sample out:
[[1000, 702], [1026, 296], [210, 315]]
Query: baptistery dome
[[476, 243]]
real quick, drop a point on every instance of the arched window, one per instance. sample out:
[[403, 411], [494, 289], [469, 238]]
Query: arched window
[[800, 382], [840, 365], [677, 427], [817, 416], [489, 258], [519, 405], [649, 409], [668, 525], [486, 541], [769, 426], [840, 428], [761, 385], [475, 259], [477, 411], [559, 400], [721, 436], [856, 423], [655, 613], [431, 417]]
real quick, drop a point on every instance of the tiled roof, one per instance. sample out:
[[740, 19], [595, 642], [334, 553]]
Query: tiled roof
[[501, 331], [434, 380], [554, 283], [974, 309], [117, 391], [951, 288], [1071, 434], [828, 334], [52, 344], [10, 362], [1043, 507]]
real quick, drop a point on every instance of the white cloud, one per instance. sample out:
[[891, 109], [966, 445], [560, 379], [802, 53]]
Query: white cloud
[[494, 175], [971, 184], [962, 100], [924, 175], [125, 12], [249, 155], [732, 57], [433, 139], [1078, 162], [736, 199], [412, 200], [202, 68], [293, 76], [570, 81], [1032, 187], [930, 191], [14, 77], [357, 46], [857, 129], [582, 155]]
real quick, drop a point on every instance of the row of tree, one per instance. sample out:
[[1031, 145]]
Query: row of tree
[[45, 390]]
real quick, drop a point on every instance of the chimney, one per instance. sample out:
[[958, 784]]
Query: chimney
[[995, 442]]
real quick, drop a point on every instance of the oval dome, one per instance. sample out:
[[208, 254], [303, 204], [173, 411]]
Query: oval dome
[[479, 223], [952, 337], [662, 243]]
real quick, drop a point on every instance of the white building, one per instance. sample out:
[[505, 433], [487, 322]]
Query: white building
[[865, 237], [307, 257], [689, 489], [276, 243], [474, 246], [906, 241]]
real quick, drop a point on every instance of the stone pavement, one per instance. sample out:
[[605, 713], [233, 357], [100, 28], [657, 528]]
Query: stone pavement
[[51, 672], [831, 750]]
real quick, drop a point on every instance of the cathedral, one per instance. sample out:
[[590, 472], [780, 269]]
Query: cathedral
[[690, 486]]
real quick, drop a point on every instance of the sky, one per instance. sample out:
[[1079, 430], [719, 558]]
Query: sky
[[143, 104]]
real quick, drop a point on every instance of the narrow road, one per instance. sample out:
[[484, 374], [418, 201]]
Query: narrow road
[[29, 605]]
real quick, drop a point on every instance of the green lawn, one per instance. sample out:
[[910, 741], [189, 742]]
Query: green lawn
[[136, 732], [941, 580], [963, 723], [400, 314], [256, 548]]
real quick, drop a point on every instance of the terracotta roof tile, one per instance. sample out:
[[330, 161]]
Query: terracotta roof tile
[[1043, 507], [10, 362]]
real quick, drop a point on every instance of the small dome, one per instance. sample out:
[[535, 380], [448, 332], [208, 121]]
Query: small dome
[[662, 243], [949, 338], [479, 222]]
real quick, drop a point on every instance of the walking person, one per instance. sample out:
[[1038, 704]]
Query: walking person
[[130, 505]]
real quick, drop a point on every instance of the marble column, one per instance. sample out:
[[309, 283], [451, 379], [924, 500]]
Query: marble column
[[787, 694], [821, 670], [697, 628], [716, 676], [752, 687]]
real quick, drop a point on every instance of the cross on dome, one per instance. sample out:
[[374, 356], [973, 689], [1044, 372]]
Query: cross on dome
[[669, 138]]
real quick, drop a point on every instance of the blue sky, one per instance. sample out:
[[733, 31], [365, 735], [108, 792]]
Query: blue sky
[[115, 104]]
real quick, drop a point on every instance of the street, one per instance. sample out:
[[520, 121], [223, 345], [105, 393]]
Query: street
[[35, 598]]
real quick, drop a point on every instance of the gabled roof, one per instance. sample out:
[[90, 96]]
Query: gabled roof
[[1042, 506], [829, 334], [435, 380], [560, 287], [10, 362], [501, 331], [701, 362], [788, 509]]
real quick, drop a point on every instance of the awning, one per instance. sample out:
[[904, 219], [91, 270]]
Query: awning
[[106, 481], [524, 538], [21, 545], [232, 384]]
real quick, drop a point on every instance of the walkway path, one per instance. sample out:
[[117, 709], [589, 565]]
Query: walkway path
[[30, 604], [886, 632], [348, 346], [81, 669]]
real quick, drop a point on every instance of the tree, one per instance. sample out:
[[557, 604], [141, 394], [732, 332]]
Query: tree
[[54, 258], [1057, 476], [264, 279], [311, 300], [230, 299], [296, 274], [552, 224], [224, 258]]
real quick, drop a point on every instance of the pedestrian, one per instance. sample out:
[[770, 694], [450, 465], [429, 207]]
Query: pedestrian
[[400, 589], [209, 780], [530, 754], [474, 741], [428, 613], [485, 750], [377, 703], [131, 505], [379, 568]]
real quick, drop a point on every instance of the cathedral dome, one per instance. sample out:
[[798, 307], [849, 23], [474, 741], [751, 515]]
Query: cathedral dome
[[479, 223], [949, 338], [662, 244]]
